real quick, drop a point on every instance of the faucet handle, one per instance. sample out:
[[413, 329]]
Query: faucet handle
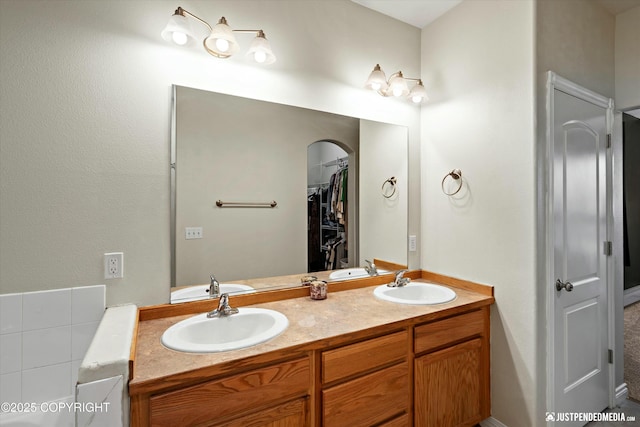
[[214, 287], [400, 274], [370, 268], [400, 280], [224, 309], [224, 301]]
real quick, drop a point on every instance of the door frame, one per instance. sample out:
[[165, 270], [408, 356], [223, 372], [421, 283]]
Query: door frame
[[554, 82]]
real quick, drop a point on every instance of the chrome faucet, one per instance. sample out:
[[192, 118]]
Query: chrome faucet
[[224, 309], [400, 280], [214, 288], [371, 268]]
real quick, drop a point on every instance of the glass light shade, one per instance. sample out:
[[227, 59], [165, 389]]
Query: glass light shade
[[178, 30], [221, 43], [260, 50], [377, 80], [418, 93], [398, 86]]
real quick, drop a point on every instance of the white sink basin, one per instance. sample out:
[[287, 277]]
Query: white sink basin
[[415, 293], [248, 327], [198, 292], [353, 273]]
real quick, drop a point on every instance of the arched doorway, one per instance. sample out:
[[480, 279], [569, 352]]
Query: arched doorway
[[327, 206]]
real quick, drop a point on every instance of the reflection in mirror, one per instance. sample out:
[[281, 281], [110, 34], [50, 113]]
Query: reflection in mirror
[[232, 149], [327, 206]]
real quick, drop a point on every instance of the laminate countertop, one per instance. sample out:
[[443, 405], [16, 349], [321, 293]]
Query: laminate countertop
[[313, 324]]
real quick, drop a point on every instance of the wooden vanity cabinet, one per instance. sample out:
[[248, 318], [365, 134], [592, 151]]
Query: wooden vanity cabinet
[[451, 371], [275, 396], [367, 383], [422, 373]]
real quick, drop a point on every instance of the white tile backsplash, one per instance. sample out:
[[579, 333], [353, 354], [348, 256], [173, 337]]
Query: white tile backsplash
[[47, 383], [11, 387], [11, 354], [81, 336], [46, 309], [75, 367], [44, 347], [88, 304], [43, 338], [10, 313]]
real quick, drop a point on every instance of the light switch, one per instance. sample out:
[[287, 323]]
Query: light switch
[[193, 233]]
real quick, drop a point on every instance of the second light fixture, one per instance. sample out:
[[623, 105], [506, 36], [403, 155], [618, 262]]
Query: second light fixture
[[220, 42], [396, 85]]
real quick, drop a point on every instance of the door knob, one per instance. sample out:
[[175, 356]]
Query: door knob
[[566, 285]]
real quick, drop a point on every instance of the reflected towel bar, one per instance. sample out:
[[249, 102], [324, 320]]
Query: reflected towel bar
[[272, 204]]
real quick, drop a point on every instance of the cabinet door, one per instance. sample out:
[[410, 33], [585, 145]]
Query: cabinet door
[[448, 386]]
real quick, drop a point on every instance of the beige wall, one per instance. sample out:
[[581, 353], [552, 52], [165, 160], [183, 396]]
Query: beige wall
[[478, 63], [575, 39], [85, 93], [627, 59], [486, 116]]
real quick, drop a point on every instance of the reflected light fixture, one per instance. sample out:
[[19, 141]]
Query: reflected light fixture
[[220, 42], [396, 85]]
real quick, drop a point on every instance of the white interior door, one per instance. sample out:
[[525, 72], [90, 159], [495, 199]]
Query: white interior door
[[579, 265]]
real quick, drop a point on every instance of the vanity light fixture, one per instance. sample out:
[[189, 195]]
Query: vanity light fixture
[[396, 85], [220, 42]]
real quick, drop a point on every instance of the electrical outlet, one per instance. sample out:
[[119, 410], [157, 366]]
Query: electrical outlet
[[413, 243], [114, 265], [192, 233]]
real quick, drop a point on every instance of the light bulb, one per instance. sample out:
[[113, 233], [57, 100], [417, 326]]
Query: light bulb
[[260, 56], [416, 99], [397, 91], [222, 45], [179, 38], [376, 86]]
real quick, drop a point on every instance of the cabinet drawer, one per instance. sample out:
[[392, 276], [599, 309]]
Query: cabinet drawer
[[290, 414], [442, 332], [361, 357], [401, 421], [232, 395], [367, 400]]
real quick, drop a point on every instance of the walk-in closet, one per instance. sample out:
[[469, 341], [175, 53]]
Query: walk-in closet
[[328, 205]]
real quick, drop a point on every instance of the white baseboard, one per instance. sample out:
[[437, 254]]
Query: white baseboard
[[622, 393], [491, 422], [631, 295]]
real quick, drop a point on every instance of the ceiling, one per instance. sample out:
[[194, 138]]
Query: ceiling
[[418, 13], [421, 13], [618, 6]]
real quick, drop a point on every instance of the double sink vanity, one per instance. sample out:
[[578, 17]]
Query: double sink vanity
[[416, 354], [369, 355]]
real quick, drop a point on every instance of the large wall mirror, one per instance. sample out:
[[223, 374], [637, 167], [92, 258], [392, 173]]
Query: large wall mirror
[[263, 193]]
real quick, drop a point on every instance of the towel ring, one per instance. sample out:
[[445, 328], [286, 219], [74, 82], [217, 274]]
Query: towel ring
[[392, 183], [456, 174]]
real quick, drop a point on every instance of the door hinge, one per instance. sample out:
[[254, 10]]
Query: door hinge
[[610, 356], [608, 140], [607, 248]]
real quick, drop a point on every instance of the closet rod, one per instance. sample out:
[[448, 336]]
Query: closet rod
[[272, 204]]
